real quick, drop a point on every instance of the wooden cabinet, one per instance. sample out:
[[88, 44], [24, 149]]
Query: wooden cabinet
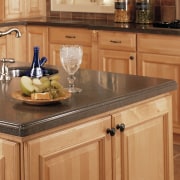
[[3, 43], [117, 52], [23, 9], [12, 47], [143, 147], [159, 56], [62, 36], [80, 152], [16, 47], [37, 36], [141, 150], [9, 160]]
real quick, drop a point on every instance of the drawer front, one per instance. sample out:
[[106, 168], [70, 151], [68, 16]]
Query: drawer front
[[158, 44], [117, 40], [70, 36]]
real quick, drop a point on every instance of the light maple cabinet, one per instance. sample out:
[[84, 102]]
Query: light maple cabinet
[[3, 43], [130, 143], [62, 36], [80, 152], [142, 147], [16, 47], [9, 160], [159, 56], [37, 36], [12, 47], [23, 9], [117, 52]]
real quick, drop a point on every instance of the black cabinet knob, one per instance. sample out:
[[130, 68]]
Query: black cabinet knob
[[131, 57], [121, 127], [111, 131]]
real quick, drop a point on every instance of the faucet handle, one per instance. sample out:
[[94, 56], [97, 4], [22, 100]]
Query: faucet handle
[[4, 74]]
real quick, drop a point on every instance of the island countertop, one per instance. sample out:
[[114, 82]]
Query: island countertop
[[101, 92]]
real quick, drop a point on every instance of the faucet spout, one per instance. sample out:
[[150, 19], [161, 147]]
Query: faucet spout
[[9, 31]]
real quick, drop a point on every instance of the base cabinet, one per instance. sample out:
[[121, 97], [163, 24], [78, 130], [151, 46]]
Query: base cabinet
[[142, 147], [138, 146], [117, 52], [159, 56], [70, 36], [9, 160], [81, 152]]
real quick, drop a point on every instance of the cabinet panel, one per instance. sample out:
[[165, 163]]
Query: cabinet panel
[[145, 145], [35, 8], [37, 36], [62, 36], [71, 154], [14, 9], [54, 50], [117, 41], [117, 61], [158, 44], [162, 66], [70, 36], [9, 160], [16, 47]]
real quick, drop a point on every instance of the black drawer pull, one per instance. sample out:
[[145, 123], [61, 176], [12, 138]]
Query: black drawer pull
[[113, 41], [70, 37]]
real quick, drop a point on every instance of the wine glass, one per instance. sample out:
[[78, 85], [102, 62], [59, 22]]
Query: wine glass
[[71, 58]]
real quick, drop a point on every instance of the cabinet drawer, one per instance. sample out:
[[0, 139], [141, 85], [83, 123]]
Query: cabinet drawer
[[117, 40], [159, 44], [70, 36]]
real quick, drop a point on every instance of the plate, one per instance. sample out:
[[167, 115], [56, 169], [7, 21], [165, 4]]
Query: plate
[[19, 96]]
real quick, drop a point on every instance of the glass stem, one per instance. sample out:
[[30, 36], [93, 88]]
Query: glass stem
[[71, 79]]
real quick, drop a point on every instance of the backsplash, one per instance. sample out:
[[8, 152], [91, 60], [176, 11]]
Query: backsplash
[[165, 10]]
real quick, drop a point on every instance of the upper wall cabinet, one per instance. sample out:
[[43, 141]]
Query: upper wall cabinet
[[15, 9], [95, 6]]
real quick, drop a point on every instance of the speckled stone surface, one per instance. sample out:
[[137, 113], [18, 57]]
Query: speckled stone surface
[[93, 24], [101, 92]]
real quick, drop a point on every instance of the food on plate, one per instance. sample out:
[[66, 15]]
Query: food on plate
[[44, 88], [26, 85]]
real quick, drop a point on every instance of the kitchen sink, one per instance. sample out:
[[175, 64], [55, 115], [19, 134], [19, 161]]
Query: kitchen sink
[[23, 71]]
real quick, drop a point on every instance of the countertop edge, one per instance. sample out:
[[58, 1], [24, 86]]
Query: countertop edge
[[51, 122]]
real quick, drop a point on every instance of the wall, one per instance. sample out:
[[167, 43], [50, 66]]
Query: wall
[[165, 10]]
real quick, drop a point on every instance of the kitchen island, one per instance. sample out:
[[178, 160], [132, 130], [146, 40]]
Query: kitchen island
[[118, 127]]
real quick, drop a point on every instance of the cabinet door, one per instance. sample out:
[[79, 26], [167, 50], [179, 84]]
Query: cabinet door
[[117, 52], [14, 9], [117, 61], [163, 66], [37, 36], [54, 50], [35, 8], [3, 44], [16, 47], [70, 36], [144, 149], [9, 160], [76, 153]]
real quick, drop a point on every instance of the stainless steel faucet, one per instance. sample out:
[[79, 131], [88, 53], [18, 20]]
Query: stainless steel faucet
[[9, 31]]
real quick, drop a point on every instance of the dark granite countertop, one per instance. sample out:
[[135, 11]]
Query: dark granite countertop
[[101, 92], [93, 24]]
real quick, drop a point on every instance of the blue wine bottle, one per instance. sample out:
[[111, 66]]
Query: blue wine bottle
[[36, 70]]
